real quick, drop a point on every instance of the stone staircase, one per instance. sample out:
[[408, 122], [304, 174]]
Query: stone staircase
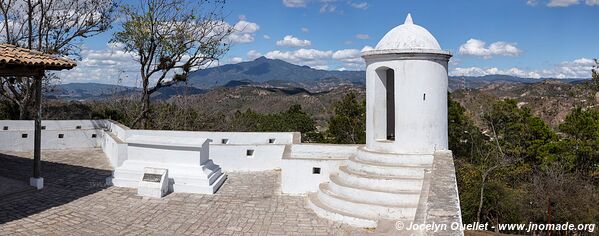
[[373, 186]]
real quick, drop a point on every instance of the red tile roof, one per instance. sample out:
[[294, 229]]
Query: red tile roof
[[13, 55]]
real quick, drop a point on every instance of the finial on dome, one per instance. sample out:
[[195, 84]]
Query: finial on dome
[[408, 20]]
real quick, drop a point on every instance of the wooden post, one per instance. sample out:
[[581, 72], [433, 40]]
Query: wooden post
[[37, 146]]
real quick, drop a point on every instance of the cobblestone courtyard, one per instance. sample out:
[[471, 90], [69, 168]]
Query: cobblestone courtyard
[[75, 201]]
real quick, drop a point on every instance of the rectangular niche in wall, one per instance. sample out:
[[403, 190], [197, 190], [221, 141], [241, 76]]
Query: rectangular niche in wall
[[43, 127], [224, 141], [94, 135], [315, 170], [249, 153], [23, 135], [272, 140], [60, 135], [78, 127], [5, 128]]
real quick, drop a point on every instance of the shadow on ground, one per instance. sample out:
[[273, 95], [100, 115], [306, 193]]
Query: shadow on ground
[[63, 183]]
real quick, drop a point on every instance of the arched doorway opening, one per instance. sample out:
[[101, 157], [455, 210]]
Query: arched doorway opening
[[385, 99]]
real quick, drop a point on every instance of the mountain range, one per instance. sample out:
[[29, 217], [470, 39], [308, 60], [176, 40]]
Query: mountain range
[[266, 73]]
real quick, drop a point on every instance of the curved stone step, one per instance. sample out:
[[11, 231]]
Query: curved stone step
[[383, 183], [366, 194], [324, 211], [365, 209], [386, 169], [393, 158]]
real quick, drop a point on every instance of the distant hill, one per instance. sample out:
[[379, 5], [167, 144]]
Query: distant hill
[[461, 82], [267, 73], [83, 91], [96, 91], [272, 72], [550, 100], [277, 73]]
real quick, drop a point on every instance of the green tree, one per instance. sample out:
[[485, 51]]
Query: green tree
[[520, 134], [348, 124], [490, 176], [297, 120], [464, 136], [293, 119], [579, 150]]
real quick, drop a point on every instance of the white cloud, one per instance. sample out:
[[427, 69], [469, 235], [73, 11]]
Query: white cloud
[[253, 54], [243, 32], [266, 36], [475, 47], [291, 41], [305, 30], [367, 48], [310, 57], [327, 8], [579, 68], [562, 3], [235, 60], [111, 65], [348, 55], [362, 5], [454, 61], [592, 2], [348, 59], [351, 59], [295, 3], [362, 36]]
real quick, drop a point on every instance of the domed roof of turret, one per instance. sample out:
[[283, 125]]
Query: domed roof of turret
[[408, 36]]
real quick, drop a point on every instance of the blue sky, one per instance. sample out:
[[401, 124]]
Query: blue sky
[[527, 38]]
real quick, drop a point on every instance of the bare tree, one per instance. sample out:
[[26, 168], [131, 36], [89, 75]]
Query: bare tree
[[595, 74], [494, 159], [50, 26], [169, 38]]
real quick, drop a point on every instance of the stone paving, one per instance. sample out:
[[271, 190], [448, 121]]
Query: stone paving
[[75, 201], [11, 186]]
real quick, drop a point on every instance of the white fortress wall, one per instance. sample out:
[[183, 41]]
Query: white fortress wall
[[113, 143], [250, 157], [299, 176], [229, 137], [238, 151], [54, 124], [18, 135]]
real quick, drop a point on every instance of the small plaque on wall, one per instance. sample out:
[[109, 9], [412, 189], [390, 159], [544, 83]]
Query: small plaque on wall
[[154, 183], [155, 178]]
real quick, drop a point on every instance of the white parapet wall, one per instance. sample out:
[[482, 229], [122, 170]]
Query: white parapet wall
[[243, 138], [113, 144], [236, 151], [305, 166], [56, 134], [251, 157]]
